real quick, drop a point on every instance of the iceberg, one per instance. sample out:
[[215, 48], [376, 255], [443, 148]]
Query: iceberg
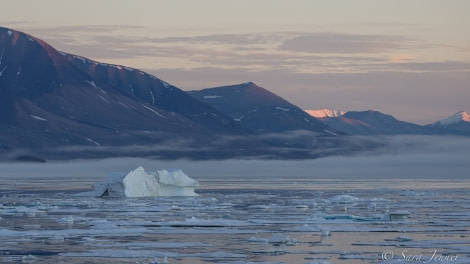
[[139, 183]]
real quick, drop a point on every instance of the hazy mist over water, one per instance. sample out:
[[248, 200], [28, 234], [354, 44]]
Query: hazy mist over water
[[403, 157]]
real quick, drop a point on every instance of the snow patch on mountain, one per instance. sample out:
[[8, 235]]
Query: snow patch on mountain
[[323, 112], [211, 96], [1, 72], [283, 109], [153, 111], [38, 118], [1, 56], [460, 116]]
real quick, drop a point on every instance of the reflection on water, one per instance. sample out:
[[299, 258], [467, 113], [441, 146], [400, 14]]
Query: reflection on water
[[249, 220]]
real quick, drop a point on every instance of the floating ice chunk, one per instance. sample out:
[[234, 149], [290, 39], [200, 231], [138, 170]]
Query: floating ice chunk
[[155, 261], [344, 199], [28, 259], [69, 220], [258, 240], [278, 239], [325, 231], [396, 215], [175, 182], [195, 222], [138, 183], [402, 239]]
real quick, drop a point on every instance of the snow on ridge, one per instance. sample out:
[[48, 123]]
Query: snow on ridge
[[84, 60], [1, 72], [1, 56], [155, 112], [92, 83], [38, 118], [153, 97], [167, 85], [323, 112], [92, 141], [283, 109], [329, 132], [454, 119], [239, 119], [9, 33], [104, 99], [211, 96]]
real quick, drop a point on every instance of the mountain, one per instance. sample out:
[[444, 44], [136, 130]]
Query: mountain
[[279, 123], [53, 99], [324, 112], [458, 122], [259, 110], [372, 123], [56, 105]]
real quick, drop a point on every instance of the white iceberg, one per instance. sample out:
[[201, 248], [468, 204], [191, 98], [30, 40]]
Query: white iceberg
[[139, 183]]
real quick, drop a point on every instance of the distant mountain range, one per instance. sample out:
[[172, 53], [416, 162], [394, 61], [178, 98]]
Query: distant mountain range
[[376, 123], [56, 105]]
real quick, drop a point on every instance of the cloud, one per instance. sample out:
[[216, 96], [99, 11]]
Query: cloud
[[340, 43], [401, 58]]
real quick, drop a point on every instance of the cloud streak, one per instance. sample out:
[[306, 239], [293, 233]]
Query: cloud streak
[[339, 43]]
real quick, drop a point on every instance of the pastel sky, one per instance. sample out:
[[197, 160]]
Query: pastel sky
[[407, 58]]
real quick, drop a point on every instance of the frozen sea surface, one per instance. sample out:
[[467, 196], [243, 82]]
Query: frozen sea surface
[[273, 215]]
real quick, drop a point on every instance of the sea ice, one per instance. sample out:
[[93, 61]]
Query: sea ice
[[139, 183]]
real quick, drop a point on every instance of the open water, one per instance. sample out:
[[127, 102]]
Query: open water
[[272, 218]]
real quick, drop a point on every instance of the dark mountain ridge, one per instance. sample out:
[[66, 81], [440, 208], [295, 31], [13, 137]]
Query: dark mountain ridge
[[259, 110], [55, 105], [50, 98]]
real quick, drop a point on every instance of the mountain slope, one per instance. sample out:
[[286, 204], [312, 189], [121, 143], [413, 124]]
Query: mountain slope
[[458, 122], [372, 123], [375, 123], [259, 110], [49, 99], [55, 105], [323, 112]]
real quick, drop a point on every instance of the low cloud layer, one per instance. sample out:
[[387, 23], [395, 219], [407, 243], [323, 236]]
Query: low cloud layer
[[416, 160]]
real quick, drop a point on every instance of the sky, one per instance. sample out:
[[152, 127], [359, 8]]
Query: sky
[[410, 59]]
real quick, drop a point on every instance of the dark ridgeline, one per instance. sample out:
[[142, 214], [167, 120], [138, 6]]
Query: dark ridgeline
[[53, 99]]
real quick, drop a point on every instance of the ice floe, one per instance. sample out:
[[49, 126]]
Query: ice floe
[[139, 183]]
